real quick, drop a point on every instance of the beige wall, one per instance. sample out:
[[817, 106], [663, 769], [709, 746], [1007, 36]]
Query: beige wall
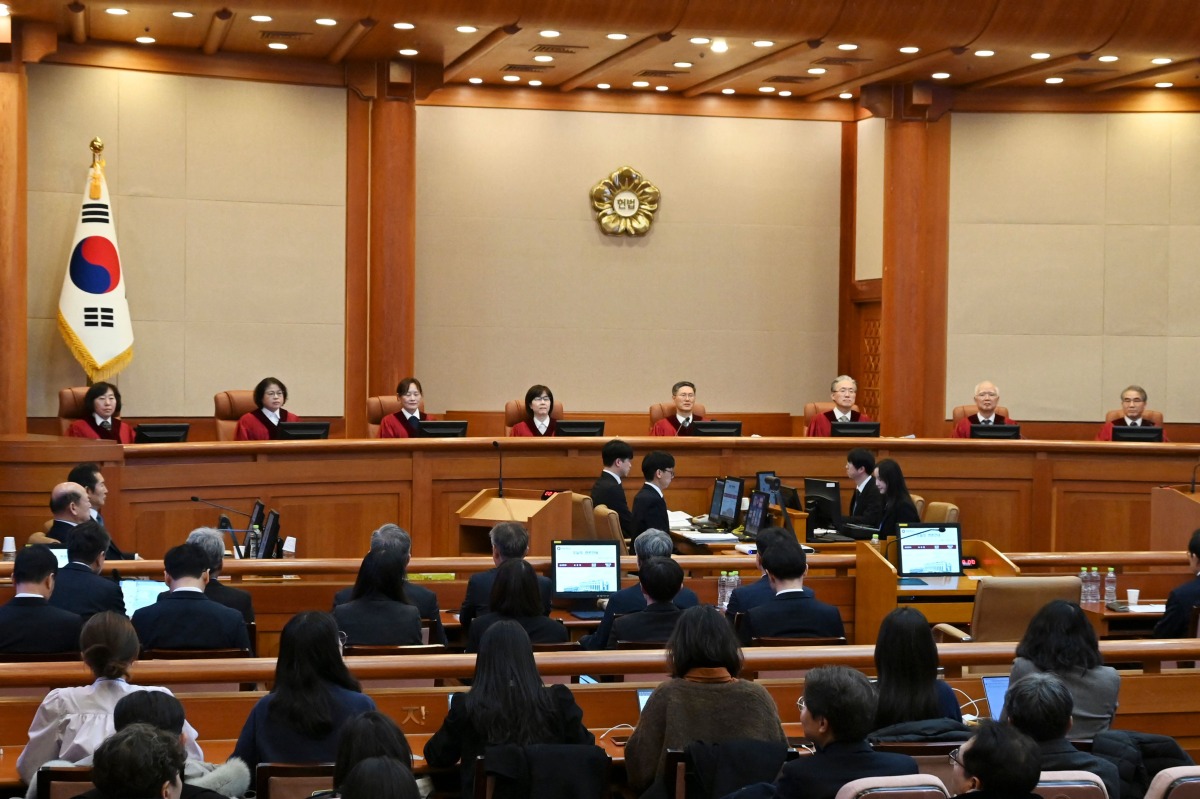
[[229, 202], [735, 287], [868, 201], [1074, 261]]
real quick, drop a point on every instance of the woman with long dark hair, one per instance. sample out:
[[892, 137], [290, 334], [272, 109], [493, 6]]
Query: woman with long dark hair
[[539, 404], [515, 595], [263, 424], [508, 704], [906, 660], [1060, 640], [378, 613], [898, 505], [101, 412], [313, 696]]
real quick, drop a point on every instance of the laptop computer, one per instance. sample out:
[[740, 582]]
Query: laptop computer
[[994, 688]]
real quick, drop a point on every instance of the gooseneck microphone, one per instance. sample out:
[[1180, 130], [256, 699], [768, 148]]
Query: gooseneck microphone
[[222, 507], [500, 466]]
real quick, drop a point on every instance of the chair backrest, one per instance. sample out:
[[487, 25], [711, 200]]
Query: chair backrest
[[608, 525], [661, 410], [514, 411], [720, 769], [581, 771], [814, 409], [70, 406], [292, 780], [569, 646], [363, 650], [381, 406], [52, 657], [939, 512], [63, 782], [1178, 782], [969, 410], [919, 501], [932, 756], [1004, 606], [1070, 785], [1154, 417], [228, 407], [193, 654], [775, 641], [583, 517], [907, 786]]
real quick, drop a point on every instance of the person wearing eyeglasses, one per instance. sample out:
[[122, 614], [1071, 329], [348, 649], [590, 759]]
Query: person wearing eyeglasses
[[998, 762], [405, 423], [844, 392], [1133, 405], [539, 404], [679, 424], [650, 504], [263, 424], [987, 398]]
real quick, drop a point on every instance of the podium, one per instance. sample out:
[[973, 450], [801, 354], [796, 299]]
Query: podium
[[546, 520], [1174, 515]]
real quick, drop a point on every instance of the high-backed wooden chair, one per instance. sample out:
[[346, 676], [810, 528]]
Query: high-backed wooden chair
[[967, 410], [908, 786], [661, 410], [608, 525], [814, 409], [1070, 785], [70, 406], [292, 780], [940, 512], [919, 501], [228, 407], [514, 411], [1153, 417], [739, 762], [63, 782], [544, 764], [381, 406], [1004, 606], [583, 517]]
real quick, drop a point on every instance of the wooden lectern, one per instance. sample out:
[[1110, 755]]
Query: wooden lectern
[[1174, 515], [546, 520]]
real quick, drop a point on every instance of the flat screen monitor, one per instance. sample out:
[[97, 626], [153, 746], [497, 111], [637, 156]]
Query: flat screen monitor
[[579, 427], [441, 429], [269, 546], [995, 431], [585, 569], [303, 431], [714, 503], [710, 428], [767, 482], [730, 504], [854, 430], [257, 515], [1137, 433], [995, 688], [789, 498], [823, 501], [60, 554], [756, 512], [643, 697], [929, 550], [160, 433], [139, 594]]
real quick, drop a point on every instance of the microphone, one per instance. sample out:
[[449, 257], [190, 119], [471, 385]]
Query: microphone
[[222, 507], [500, 464]]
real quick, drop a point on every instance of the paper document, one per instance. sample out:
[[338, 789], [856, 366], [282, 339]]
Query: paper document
[[678, 518], [709, 538], [1148, 608]]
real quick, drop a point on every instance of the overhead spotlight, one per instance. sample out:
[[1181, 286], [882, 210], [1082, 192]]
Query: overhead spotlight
[[641, 84], [603, 86], [720, 46], [260, 18], [184, 14], [1163, 85], [784, 93], [846, 96], [985, 53], [847, 46], [403, 26], [144, 40], [1054, 81], [817, 71], [1108, 59], [116, 12], [910, 50], [277, 46], [535, 83], [662, 88], [1039, 56], [543, 59], [3, 9], [512, 78], [940, 75], [766, 89], [1161, 61], [466, 29], [764, 43], [682, 64], [550, 34], [475, 80], [326, 21], [726, 91], [408, 51], [699, 40], [618, 37]]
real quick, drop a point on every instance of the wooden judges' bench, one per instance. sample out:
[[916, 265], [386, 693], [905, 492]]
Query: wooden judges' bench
[[1016, 495]]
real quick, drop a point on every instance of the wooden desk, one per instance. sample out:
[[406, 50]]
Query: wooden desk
[[1119, 623]]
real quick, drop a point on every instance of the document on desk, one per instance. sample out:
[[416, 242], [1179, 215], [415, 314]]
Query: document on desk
[[1148, 608], [679, 520], [708, 538]]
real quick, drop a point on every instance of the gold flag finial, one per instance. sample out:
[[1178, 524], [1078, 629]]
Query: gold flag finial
[[97, 148]]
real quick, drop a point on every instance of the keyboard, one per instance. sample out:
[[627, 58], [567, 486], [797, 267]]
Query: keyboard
[[588, 614]]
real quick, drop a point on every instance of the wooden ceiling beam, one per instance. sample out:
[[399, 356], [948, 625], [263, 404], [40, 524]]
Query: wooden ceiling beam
[[1033, 70], [649, 43], [758, 63], [349, 39], [884, 74], [78, 22], [480, 49], [218, 29], [1148, 74]]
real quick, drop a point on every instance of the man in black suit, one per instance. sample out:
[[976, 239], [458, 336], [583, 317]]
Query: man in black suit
[[79, 588], [185, 618], [29, 624], [91, 478], [70, 505], [650, 544], [794, 612], [1174, 623], [649, 505], [509, 540], [393, 536], [212, 541], [660, 580], [618, 460], [998, 761], [866, 503], [760, 591]]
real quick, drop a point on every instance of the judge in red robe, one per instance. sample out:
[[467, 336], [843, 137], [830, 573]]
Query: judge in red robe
[[102, 406], [1133, 402], [987, 399], [539, 403], [680, 423], [843, 391], [263, 424], [404, 423]]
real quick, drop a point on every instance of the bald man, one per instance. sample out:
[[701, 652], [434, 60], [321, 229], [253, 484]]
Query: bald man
[[987, 398], [843, 391], [70, 505]]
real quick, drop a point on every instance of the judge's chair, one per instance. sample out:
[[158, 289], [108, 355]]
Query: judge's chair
[[608, 525], [514, 411], [1153, 417], [70, 406], [380, 407], [229, 406], [961, 411], [815, 409], [1004, 606], [662, 410], [919, 501], [939, 512]]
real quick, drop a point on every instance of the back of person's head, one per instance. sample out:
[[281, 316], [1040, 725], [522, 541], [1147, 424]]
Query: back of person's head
[[1194, 544], [310, 659], [616, 450], [508, 702], [1060, 638], [86, 542], [786, 561], [1002, 760], [660, 578], [212, 541], [906, 660], [86, 474], [159, 709], [61, 499], [515, 590], [34, 563], [656, 461], [381, 573], [510, 540], [770, 536], [703, 638], [136, 762], [392, 536], [891, 475], [186, 560], [109, 645], [844, 698], [379, 778], [861, 458], [369, 734], [652, 544], [1040, 706]]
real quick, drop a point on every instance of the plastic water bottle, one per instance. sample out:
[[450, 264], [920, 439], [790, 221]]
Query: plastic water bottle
[[875, 542], [1083, 585], [1110, 585], [735, 580], [723, 591], [1093, 584], [253, 541]]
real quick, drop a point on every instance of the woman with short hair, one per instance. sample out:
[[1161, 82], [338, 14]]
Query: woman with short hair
[[405, 423], [101, 412], [263, 424], [539, 404]]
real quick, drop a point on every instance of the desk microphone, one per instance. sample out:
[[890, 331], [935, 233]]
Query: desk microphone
[[500, 465], [222, 507]]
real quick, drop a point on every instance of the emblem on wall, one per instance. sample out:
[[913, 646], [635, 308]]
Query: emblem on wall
[[625, 203]]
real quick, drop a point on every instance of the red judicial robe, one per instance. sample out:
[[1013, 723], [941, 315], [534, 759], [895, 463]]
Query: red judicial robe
[[963, 428], [1105, 433], [87, 428], [670, 426], [397, 425], [527, 429], [822, 424], [255, 426]]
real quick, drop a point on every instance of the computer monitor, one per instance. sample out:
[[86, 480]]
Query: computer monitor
[[161, 433], [257, 515], [269, 546], [823, 501], [768, 483], [730, 504], [854, 430], [139, 594], [927, 550], [756, 512], [789, 498], [714, 502], [585, 569], [303, 431], [995, 431], [995, 688], [579, 427], [1137, 433], [711, 428], [441, 429]]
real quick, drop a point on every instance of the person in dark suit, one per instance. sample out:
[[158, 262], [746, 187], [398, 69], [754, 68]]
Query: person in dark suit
[[650, 544], [29, 624], [794, 612], [70, 505], [866, 503], [509, 540], [618, 460], [760, 591], [212, 541], [898, 505], [998, 762], [377, 614], [185, 618], [660, 580], [1174, 623], [649, 505], [515, 597], [91, 478], [79, 588]]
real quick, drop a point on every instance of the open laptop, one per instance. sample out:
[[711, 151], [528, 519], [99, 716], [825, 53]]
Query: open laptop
[[140, 593], [994, 688]]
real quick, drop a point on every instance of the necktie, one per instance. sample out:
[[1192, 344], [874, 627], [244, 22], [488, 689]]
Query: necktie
[[985, 421], [106, 424]]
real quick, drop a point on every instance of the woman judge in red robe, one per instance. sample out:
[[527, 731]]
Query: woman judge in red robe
[[404, 422], [102, 406], [539, 403], [263, 424]]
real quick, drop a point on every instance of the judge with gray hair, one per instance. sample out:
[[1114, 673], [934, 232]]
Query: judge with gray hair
[[212, 541]]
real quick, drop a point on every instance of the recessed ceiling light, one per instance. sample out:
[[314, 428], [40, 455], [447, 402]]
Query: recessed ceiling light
[[766, 89], [1054, 81], [764, 43], [1108, 59], [618, 37], [1160, 60], [326, 21], [726, 91], [544, 59], [512, 78], [260, 18], [475, 80], [641, 84], [784, 93], [144, 40], [535, 83], [847, 46], [816, 71], [603, 86], [466, 29], [910, 50], [846, 96], [719, 45], [551, 34], [662, 88], [985, 53], [277, 46], [1163, 85], [3, 9], [699, 40], [116, 12], [940, 75], [408, 51], [1039, 56], [182, 14], [682, 64], [403, 26]]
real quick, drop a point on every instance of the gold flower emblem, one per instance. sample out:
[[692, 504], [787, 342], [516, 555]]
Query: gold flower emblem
[[625, 203]]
